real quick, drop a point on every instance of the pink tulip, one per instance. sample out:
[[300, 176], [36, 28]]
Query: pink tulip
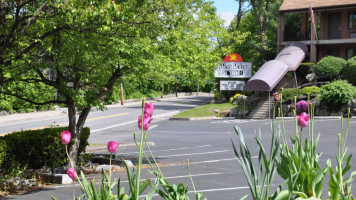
[[112, 146], [303, 105], [276, 96], [71, 173], [146, 121], [65, 137], [303, 119], [149, 107]]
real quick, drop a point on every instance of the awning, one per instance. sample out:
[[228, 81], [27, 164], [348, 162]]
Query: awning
[[268, 76]]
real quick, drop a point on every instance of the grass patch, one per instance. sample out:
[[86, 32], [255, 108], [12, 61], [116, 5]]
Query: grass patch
[[207, 110]]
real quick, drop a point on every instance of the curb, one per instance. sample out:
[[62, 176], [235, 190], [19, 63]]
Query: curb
[[97, 148], [201, 118]]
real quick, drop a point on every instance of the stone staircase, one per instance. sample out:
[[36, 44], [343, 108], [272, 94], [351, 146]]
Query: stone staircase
[[260, 111]]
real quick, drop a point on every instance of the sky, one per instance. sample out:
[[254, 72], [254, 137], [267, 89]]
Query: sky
[[226, 9]]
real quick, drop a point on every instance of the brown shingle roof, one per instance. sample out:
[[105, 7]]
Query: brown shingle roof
[[303, 5]]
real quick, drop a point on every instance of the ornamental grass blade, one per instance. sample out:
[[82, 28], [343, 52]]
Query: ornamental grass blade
[[95, 192], [86, 187], [130, 178], [301, 194], [351, 178], [143, 185], [347, 166], [260, 147]]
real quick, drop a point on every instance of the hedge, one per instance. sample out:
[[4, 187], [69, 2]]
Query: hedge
[[37, 148], [350, 70], [337, 93], [288, 95], [329, 67], [311, 90]]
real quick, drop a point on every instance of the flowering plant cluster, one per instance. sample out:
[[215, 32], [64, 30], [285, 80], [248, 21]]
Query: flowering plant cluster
[[298, 163], [161, 186]]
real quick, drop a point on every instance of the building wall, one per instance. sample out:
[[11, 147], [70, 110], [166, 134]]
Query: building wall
[[345, 33], [344, 30]]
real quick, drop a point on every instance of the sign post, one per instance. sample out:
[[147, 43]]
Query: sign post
[[233, 67]]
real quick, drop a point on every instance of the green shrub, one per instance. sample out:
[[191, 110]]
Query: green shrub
[[216, 96], [37, 148], [312, 91], [329, 67], [337, 93], [289, 94], [3, 149], [350, 70]]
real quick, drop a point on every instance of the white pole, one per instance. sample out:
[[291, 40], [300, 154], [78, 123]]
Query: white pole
[[269, 104], [295, 79], [244, 106]]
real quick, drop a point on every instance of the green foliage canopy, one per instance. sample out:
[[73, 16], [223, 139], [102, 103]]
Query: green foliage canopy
[[350, 71], [329, 67], [337, 93]]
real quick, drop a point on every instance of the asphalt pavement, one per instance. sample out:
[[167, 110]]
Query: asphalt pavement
[[207, 145]]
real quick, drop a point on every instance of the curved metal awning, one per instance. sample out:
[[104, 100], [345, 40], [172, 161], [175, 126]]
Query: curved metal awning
[[268, 76]]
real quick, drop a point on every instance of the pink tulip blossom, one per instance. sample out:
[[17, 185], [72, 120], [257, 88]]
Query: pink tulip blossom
[[277, 97], [112, 146], [303, 105], [303, 119], [146, 121], [65, 137], [149, 107], [71, 173]]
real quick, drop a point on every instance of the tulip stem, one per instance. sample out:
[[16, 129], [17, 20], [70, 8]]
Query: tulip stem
[[149, 162], [70, 160], [152, 155], [110, 165], [73, 191], [300, 136], [140, 155]]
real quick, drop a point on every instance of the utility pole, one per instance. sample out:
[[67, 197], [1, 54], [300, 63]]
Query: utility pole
[[122, 93]]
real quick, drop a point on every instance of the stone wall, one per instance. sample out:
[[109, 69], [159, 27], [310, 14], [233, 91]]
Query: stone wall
[[322, 109]]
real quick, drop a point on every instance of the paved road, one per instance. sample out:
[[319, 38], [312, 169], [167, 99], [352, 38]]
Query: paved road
[[99, 121], [207, 144]]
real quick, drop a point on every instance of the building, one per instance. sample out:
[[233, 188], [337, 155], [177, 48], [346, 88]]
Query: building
[[335, 25]]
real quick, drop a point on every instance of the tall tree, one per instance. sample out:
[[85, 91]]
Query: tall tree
[[88, 45]]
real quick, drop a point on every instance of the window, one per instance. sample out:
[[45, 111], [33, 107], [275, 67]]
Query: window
[[350, 53], [352, 20]]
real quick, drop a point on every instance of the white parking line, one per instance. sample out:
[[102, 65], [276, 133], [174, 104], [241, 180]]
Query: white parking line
[[212, 190], [157, 116], [154, 126], [183, 148], [236, 121], [93, 131], [192, 154]]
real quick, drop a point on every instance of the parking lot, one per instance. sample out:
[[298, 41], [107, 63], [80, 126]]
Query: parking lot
[[207, 145]]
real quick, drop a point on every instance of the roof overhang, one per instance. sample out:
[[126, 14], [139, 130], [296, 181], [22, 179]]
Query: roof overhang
[[269, 75], [303, 5]]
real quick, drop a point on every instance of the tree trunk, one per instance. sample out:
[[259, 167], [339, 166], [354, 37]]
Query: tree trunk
[[1, 81], [239, 15], [73, 152], [76, 128]]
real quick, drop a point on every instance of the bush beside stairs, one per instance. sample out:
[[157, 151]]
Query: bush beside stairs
[[260, 111]]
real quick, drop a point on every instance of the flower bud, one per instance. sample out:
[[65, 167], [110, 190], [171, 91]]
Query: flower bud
[[65, 137]]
